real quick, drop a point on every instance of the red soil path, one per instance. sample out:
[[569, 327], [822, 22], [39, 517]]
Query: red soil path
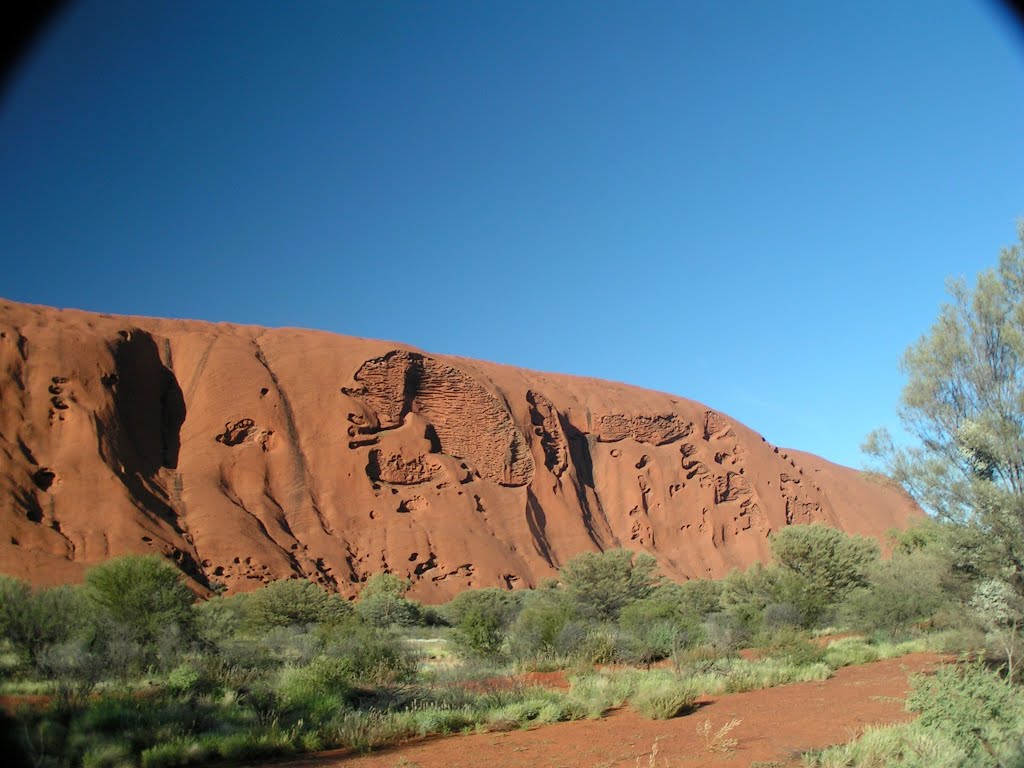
[[777, 725]]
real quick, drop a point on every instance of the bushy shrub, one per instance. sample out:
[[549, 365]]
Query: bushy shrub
[[382, 602], [831, 562], [1000, 611], [75, 669], [292, 644], [899, 594], [746, 594], [793, 646], [663, 699], [220, 618], [601, 584], [33, 620], [110, 754], [318, 688], [183, 680], [905, 745], [725, 632], [972, 707], [768, 673], [294, 602], [782, 615], [540, 623], [369, 656], [698, 597], [481, 618], [141, 596], [597, 693], [660, 626]]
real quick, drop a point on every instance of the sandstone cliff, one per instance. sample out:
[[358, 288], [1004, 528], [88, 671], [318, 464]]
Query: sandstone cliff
[[247, 454]]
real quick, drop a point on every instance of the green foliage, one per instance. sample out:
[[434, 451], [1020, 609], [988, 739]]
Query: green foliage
[[183, 680], [481, 618], [385, 584], [479, 633], [857, 650], [539, 625], [382, 602], [659, 626], [725, 632], [384, 610], [34, 620], [972, 707], [292, 602], [75, 669], [368, 655], [746, 594], [824, 565], [502, 603], [793, 646], [140, 599], [321, 685], [220, 617], [906, 745], [1000, 610], [699, 597], [963, 403], [662, 699], [901, 593], [601, 584]]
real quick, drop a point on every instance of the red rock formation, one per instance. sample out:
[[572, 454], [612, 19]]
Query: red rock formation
[[247, 455]]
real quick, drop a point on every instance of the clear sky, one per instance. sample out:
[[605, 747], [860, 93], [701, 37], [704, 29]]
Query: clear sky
[[752, 204]]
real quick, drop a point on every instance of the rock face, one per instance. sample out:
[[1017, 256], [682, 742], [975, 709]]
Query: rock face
[[247, 455]]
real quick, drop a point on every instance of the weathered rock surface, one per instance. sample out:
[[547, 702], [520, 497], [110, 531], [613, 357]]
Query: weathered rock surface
[[247, 455]]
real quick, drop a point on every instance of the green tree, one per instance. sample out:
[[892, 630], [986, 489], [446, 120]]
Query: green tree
[[382, 602], [746, 594], [142, 595], [660, 625], [700, 597], [294, 602], [963, 407], [385, 585], [481, 618], [828, 564], [1001, 612], [602, 584], [908, 589], [540, 624], [35, 620]]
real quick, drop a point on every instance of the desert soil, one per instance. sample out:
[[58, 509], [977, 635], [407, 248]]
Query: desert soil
[[776, 726]]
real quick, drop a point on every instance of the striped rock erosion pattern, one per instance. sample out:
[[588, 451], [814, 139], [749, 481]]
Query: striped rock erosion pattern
[[246, 455]]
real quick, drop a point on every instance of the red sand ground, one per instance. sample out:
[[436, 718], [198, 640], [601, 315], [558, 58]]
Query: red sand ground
[[777, 725]]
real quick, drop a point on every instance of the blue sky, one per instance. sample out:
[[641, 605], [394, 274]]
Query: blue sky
[[751, 204]]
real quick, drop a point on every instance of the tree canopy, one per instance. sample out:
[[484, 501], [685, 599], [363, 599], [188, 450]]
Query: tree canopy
[[601, 584], [963, 405]]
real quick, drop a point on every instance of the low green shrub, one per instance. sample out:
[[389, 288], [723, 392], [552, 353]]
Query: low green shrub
[[362, 731], [597, 693], [792, 645], [183, 751], [905, 745], [299, 687], [111, 754], [768, 673], [971, 706], [661, 699]]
